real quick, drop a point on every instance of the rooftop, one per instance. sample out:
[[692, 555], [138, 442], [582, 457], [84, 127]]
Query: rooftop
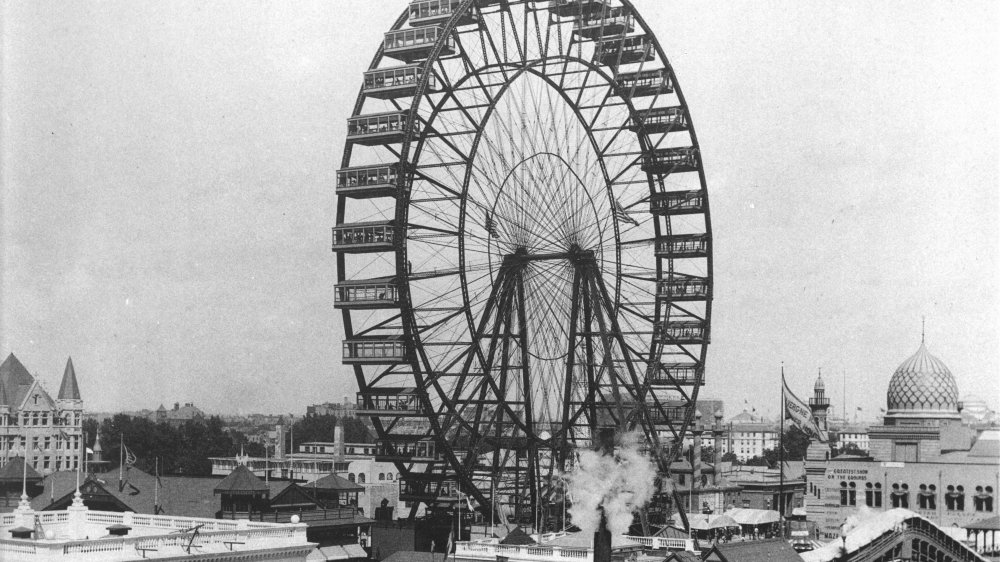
[[81, 535]]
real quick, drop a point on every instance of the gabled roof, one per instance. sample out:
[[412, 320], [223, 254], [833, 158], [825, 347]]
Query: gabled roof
[[772, 550], [14, 470], [41, 399], [242, 481], [177, 495], [332, 482], [15, 379], [517, 537], [69, 390]]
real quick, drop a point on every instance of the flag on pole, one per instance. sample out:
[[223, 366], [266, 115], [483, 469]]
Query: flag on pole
[[799, 413], [622, 215], [130, 457], [90, 451]]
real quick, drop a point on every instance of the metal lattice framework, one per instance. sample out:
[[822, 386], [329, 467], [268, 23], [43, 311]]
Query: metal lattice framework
[[523, 246]]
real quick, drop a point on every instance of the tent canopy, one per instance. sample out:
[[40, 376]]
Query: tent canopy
[[745, 516]]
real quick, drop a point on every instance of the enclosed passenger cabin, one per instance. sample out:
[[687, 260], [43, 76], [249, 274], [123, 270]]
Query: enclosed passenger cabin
[[667, 415], [364, 237], [673, 203], [571, 8], [380, 128], [645, 83], [433, 12], [671, 160], [677, 287], [390, 402], [366, 182], [624, 50], [396, 450], [409, 45], [683, 332], [367, 294], [377, 350], [604, 23], [683, 246], [660, 120], [396, 82], [675, 374], [427, 488]]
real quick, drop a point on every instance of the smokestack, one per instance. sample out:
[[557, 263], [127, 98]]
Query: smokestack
[[602, 541], [602, 538], [338, 440], [279, 447]]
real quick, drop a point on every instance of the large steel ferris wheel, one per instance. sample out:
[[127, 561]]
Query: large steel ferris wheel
[[523, 246]]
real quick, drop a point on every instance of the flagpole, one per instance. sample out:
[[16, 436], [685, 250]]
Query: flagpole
[[121, 458], [781, 451]]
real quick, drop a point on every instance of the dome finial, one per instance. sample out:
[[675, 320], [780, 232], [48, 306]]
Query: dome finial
[[923, 328]]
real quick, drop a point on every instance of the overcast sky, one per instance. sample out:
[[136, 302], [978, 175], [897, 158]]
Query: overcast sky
[[168, 187]]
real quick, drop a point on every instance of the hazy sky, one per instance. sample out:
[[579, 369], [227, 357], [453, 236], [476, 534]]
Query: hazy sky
[[168, 186]]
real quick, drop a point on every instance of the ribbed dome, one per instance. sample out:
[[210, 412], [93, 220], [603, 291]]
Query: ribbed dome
[[820, 385], [923, 385]]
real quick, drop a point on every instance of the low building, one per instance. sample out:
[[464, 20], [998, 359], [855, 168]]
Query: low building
[[178, 415]]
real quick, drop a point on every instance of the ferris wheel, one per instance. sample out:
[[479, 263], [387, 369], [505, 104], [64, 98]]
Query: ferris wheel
[[523, 246]]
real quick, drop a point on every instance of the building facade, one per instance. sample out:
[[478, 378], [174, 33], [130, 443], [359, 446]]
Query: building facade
[[749, 435], [47, 432], [922, 457]]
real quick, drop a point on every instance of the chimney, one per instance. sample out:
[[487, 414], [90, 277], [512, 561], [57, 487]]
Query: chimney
[[279, 447], [696, 432], [338, 440], [602, 541], [177, 406]]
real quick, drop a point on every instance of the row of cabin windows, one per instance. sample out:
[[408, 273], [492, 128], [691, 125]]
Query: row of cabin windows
[[431, 8], [926, 496], [377, 124], [366, 293], [369, 176], [363, 235], [360, 478], [391, 78], [411, 37], [374, 350]]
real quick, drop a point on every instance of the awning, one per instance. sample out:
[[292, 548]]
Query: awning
[[343, 552], [745, 516]]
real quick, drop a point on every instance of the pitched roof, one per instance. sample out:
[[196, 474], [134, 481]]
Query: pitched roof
[[177, 495], [989, 524], [69, 390], [411, 556], [772, 550], [337, 483], [16, 381], [14, 470], [517, 537], [242, 481]]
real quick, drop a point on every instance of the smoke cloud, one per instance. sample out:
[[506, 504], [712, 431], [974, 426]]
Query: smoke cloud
[[621, 484]]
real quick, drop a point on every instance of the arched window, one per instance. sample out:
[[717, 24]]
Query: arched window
[[350, 477], [852, 493], [361, 478], [900, 495], [927, 498], [873, 494], [389, 476], [843, 493], [983, 499], [381, 476], [954, 498]]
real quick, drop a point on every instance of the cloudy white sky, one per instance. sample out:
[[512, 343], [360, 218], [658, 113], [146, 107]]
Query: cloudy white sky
[[168, 171]]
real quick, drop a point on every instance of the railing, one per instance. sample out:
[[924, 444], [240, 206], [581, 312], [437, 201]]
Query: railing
[[334, 514], [527, 553], [664, 543], [225, 534]]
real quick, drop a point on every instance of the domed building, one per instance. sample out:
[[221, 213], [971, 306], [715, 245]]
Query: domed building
[[922, 391], [922, 457]]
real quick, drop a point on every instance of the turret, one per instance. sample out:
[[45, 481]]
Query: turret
[[819, 403]]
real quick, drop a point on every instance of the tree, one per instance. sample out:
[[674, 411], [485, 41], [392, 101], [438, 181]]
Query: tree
[[321, 429], [173, 450], [730, 457]]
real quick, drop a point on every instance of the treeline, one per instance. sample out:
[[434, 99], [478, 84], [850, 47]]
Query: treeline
[[187, 448], [182, 450]]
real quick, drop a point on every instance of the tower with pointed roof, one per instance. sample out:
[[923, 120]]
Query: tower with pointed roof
[[47, 432]]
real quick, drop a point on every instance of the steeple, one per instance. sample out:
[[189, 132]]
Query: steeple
[[69, 389]]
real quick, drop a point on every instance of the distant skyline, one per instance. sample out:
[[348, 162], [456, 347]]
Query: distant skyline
[[168, 176]]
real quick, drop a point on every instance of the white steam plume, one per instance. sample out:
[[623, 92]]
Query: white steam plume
[[622, 484]]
